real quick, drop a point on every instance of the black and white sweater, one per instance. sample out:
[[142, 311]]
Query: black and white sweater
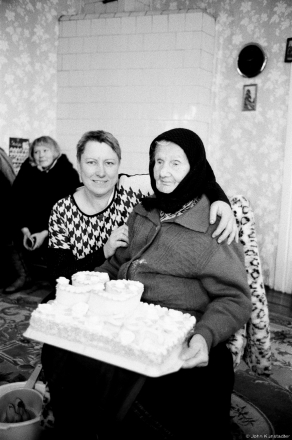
[[76, 240]]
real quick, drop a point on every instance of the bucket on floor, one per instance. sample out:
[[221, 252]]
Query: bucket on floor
[[29, 430]]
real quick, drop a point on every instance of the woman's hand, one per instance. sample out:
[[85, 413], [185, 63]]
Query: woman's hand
[[118, 238], [38, 239], [227, 227], [196, 354], [27, 240]]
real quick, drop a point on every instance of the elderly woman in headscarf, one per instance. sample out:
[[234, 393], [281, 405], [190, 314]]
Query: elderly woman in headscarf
[[172, 252], [45, 177]]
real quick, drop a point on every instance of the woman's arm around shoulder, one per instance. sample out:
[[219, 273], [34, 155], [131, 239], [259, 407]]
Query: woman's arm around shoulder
[[227, 228], [138, 184], [220, 207]]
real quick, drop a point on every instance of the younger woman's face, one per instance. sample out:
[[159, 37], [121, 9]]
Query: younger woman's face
[[171, 166], [44, 156], [99, 168]]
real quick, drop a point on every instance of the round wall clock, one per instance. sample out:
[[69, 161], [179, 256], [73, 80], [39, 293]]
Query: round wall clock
[[251, 60]]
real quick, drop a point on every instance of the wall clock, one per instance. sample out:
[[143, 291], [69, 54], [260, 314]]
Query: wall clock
[[251, 60]]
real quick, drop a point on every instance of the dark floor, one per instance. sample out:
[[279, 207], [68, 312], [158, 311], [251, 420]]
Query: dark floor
[[39, 287]]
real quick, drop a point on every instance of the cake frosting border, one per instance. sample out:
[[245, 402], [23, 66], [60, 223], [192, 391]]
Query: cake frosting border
[[148, 341], [172, 364]]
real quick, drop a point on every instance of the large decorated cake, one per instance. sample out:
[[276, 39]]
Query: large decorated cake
[[106, 320]]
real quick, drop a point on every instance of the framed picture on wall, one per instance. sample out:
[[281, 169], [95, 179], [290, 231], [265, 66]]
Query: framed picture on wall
[[249, 97], [288, 53], [18, 151]]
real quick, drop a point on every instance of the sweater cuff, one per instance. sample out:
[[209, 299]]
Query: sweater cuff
[[207, 335]]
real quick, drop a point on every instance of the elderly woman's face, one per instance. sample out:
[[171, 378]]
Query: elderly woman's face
[[43, 155], [99, 168], [171, 166]]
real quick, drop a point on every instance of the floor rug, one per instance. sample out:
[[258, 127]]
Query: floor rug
[[18, 355], [271, 401], [261, 406], [272, 395], [248, 420]]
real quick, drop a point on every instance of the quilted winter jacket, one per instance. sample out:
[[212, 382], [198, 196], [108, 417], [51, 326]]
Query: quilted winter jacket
[[183, 267]]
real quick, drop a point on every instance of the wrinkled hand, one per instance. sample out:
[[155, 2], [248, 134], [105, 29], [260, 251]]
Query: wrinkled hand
[[227, 227], [118, 238], [196, 354]]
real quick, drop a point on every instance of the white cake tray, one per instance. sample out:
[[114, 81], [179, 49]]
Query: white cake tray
[[172, 364]]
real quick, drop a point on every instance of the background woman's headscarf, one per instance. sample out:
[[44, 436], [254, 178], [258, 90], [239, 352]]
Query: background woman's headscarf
[[194, 183]]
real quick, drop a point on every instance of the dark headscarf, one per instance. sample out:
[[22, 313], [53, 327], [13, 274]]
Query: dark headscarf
[[194, 183]]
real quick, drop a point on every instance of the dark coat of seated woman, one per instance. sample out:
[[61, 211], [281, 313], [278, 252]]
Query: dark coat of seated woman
[[45, 177]]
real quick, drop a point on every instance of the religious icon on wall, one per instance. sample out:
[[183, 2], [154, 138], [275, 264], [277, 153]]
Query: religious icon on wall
[[288, 53], [249, 98], [18, 152]]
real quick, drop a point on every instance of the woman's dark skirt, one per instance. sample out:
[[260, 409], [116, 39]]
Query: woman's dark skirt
[[89, 397]]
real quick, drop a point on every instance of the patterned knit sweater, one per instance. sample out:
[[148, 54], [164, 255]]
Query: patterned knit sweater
[[183, 268]]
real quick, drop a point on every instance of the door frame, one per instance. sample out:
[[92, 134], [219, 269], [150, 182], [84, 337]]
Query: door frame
[[283, 268]]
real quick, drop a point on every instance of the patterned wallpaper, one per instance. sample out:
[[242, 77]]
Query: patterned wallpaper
[[28, 66], [246, 149]]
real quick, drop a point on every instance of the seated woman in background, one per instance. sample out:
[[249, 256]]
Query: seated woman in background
[[45, 177], [86, 227], [82, 235]]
